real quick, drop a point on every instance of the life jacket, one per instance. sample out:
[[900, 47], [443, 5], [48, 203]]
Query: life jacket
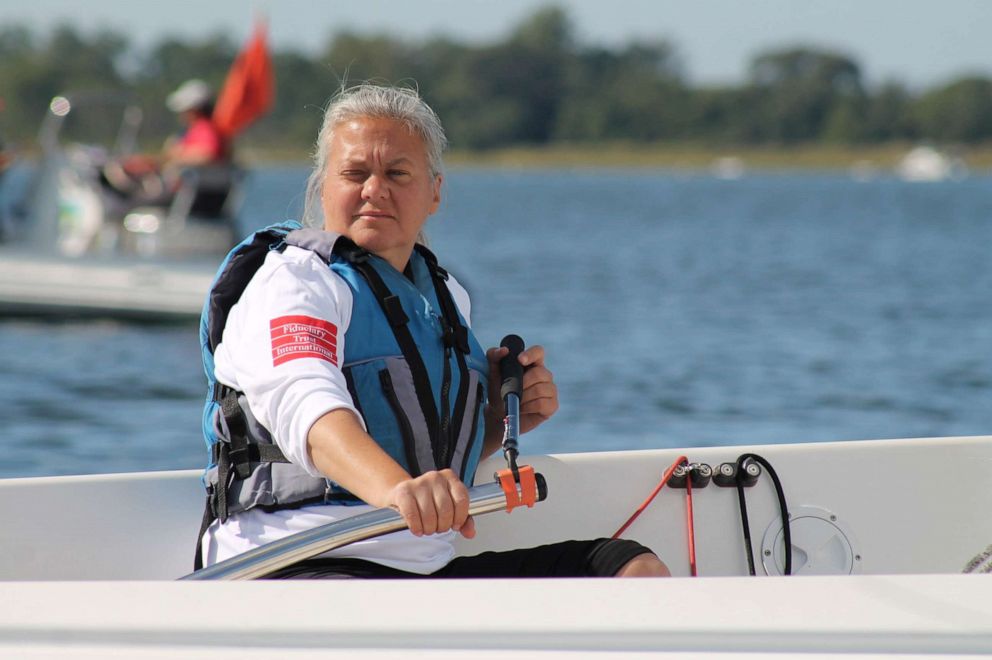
[[414, 370]]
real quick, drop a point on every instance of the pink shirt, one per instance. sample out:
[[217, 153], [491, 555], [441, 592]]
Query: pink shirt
[[203, 135]]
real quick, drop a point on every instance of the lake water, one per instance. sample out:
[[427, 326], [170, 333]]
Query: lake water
[[676, 310]]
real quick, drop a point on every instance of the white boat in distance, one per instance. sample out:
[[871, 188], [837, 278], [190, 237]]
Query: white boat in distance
[[881, 533], [925, 163]]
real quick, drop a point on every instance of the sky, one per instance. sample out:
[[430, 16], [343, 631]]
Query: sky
[[918, 42]]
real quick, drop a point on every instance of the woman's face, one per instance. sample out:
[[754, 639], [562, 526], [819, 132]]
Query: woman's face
[[378, 190]]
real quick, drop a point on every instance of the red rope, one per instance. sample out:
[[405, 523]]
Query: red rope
[[689, 524], [644, 505]]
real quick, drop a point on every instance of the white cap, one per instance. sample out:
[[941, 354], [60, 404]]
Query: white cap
[[191, 95]]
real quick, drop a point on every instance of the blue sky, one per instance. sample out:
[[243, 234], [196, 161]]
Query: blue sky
[[920, 42]]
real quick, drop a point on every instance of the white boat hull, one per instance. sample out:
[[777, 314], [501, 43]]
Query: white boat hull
[[870, 616], [59, 287], [914, 511]]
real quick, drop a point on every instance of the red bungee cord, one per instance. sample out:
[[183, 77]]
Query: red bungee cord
[[644, 505], [690, 528], [664, 480]]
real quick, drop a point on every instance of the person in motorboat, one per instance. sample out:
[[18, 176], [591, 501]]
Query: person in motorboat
[[153, 179], [345, 375]]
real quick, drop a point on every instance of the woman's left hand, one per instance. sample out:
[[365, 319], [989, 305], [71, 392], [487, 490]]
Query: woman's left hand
[[539, 399]]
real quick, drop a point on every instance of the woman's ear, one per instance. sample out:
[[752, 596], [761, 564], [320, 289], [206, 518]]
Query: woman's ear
[[437, 193]]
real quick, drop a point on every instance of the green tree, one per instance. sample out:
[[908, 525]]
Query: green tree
[[32, 72], [303, 86], [800, 89], [355, 58], [519, 84], [725, 115], [960, 111], [637, 93], [536, 85], [888, 114]]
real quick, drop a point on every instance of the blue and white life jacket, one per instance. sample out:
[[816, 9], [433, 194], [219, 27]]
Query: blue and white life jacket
[[413, 368]]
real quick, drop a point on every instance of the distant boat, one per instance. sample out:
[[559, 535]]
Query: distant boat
[[925, 163], [728, 168]]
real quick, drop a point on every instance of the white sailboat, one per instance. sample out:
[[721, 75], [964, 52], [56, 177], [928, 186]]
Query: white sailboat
[[881, 533]]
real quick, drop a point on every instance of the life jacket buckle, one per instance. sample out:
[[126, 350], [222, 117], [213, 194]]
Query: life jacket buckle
[[240, 458], [455, 337]]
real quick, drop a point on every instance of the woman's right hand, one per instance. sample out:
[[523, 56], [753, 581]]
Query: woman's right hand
[[432, 503]]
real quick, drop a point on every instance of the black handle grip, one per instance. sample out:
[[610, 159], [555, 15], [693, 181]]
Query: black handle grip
[[510, 369]]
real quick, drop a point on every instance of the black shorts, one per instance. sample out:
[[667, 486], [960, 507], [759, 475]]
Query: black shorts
[[597, 558]]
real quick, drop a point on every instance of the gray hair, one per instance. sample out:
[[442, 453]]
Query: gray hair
[[378, 102]]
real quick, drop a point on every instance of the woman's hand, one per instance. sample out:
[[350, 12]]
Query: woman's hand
[[433, 503], [539, 399]]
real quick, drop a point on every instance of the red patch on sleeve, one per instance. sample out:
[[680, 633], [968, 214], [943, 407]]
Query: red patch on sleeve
[[303, 337]]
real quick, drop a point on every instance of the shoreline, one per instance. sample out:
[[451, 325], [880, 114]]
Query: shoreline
[[678, 156]]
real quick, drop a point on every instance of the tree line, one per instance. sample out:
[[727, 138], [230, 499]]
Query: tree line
[[537, 86]]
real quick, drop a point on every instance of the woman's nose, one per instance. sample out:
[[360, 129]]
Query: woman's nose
[[374, 188]]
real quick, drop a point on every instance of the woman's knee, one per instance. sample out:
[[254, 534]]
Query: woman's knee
[[644, 565]]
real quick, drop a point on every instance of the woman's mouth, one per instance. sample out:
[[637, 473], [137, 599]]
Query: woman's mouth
[[372, 215]]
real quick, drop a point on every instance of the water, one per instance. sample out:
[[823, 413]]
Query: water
[[676, 311]]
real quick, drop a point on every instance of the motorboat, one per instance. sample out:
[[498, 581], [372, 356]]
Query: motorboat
[[888, 541], [76, 208], [95, 244], [88, 249]]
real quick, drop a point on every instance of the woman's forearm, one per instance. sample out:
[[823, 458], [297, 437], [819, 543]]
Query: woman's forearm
[[341, 449], [436, 501]]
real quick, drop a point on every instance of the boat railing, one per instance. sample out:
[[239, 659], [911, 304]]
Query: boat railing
[[268, 558]]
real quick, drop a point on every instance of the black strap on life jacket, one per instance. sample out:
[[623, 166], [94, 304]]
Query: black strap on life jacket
[[455, 337], [233, 460], [397, 318], [456, 334], [241, 453]]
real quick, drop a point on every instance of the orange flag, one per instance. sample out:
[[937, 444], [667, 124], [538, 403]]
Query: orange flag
[[249, 89]]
